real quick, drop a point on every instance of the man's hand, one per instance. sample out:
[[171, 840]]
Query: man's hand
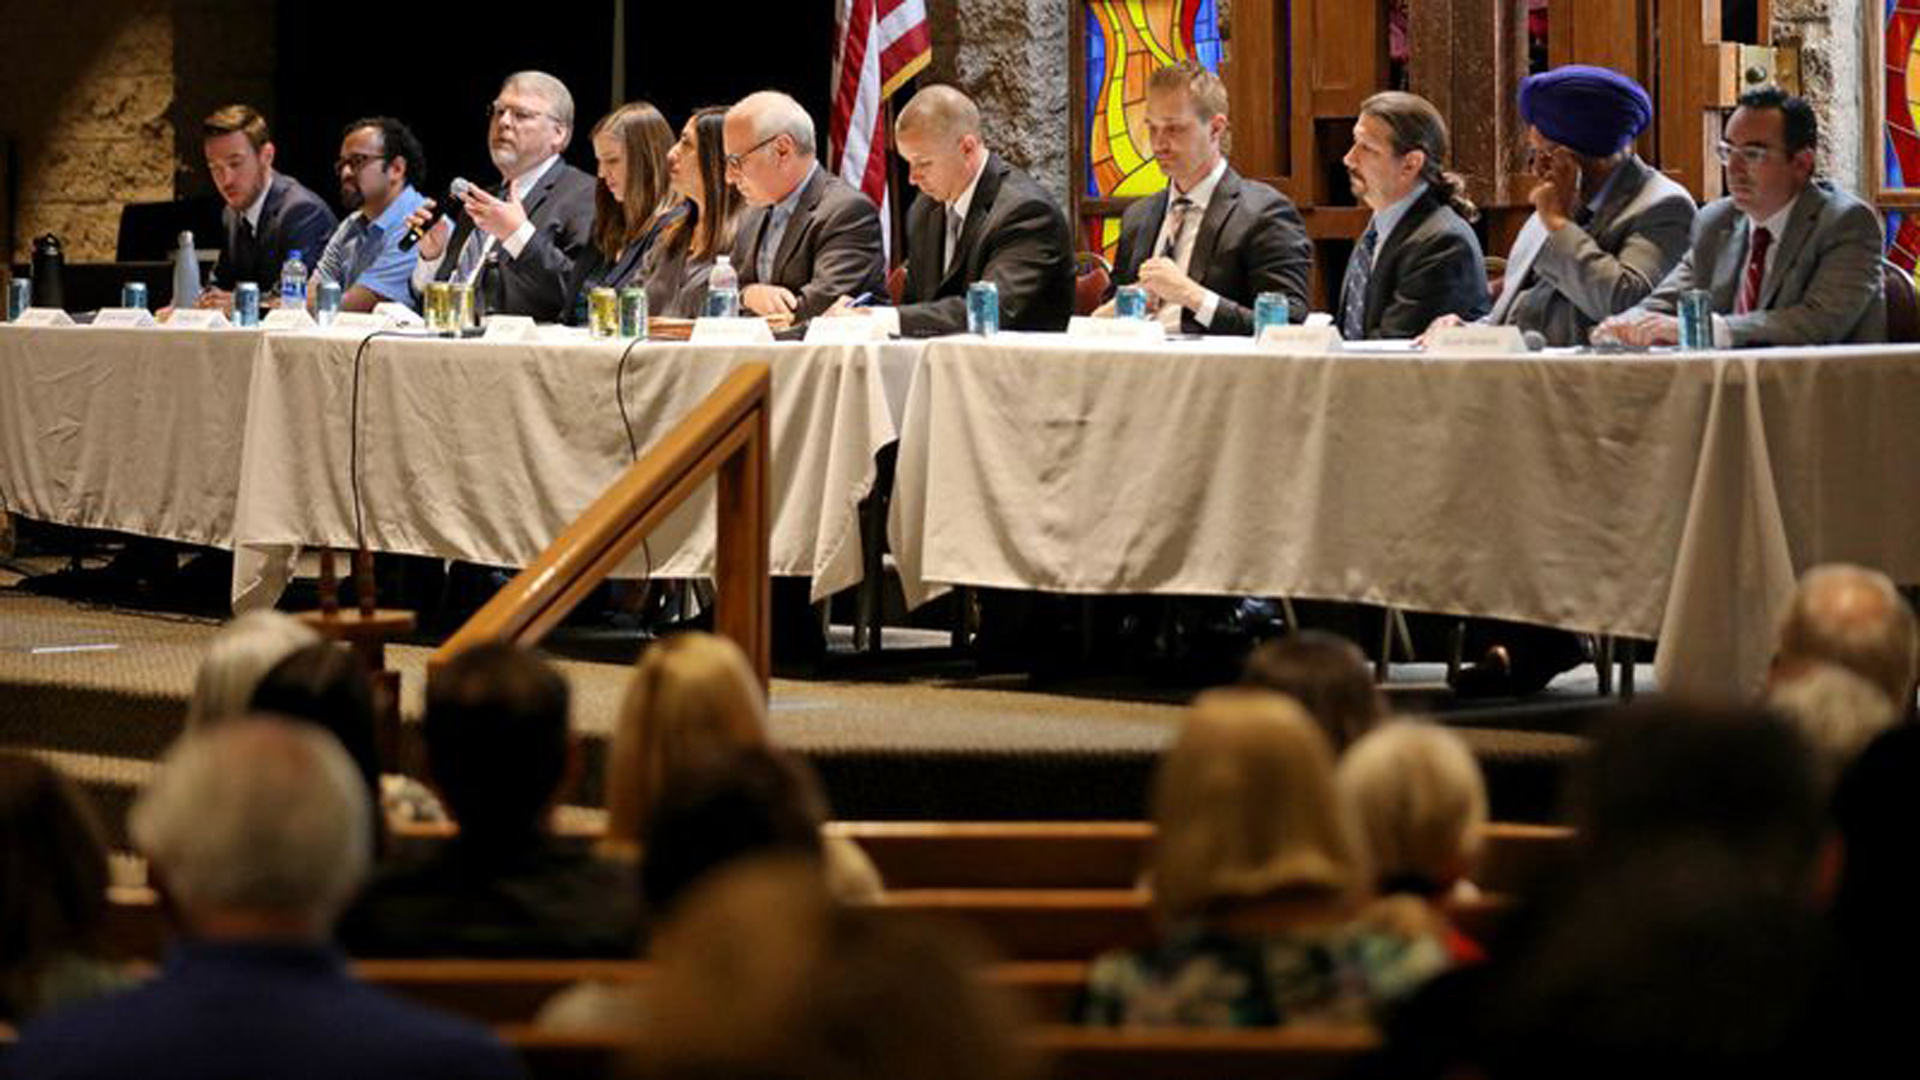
[[1440, 323], [1104, 311], [211, 297], [1558, 191], [1639, 330], [842, 306], [764, 299], [500, 218], [1165, 281], [433, 243]]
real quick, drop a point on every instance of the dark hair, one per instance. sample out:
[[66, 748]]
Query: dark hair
[[1416, 125], [497, 739], [242, 118], [710, 232], [1800, 128], [396, 141], [644, 138], [1325, 673], [754, 801], [53, 878], [326, 685]]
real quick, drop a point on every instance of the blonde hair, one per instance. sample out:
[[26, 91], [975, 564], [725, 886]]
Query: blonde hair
[[693, 695], [1416, 794], [1245, 806]]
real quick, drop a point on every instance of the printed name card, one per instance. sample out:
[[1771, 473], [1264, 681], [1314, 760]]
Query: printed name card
[[123, 317], [287, 318], [360, 321], [197, 319], [1454, 340], [848, 329], [742, 330], [1300, 339], [43, 316], [398, 315], [1141, 330], [511, 328]]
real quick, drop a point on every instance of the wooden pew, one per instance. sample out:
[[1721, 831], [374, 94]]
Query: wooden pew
[[1038, 924]]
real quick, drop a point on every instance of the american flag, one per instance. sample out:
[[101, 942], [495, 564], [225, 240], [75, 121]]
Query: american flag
[[882, 44]]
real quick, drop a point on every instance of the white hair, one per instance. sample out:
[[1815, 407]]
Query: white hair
[[558, 98], [1853, 616], [240, 656], [1417, 795], [1837, 711], [257, 814], [774, 113]]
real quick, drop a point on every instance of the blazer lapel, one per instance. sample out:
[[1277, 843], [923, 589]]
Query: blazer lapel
[[1526, 248], [1800, 223], [800, 221], [1390, 250], [1149, 238], [1732, 260], [1226, 196], [977, 213]]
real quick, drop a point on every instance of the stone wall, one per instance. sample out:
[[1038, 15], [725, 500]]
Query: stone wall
[[1833, 36], [1010, 56]]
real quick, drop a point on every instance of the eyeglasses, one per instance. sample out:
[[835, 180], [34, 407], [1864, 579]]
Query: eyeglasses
[[1751, 153], [734, 160], [520, 115], [356, 162]]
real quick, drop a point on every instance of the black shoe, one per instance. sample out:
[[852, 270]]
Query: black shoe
[[1490, 676]]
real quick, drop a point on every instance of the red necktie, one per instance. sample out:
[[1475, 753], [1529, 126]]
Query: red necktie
[[1756, 269]]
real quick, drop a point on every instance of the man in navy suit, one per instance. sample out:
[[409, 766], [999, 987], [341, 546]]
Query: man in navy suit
[[257, 830], [268, 216]]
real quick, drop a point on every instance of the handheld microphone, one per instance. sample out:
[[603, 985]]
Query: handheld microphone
[[455, 191], [1535, 340]]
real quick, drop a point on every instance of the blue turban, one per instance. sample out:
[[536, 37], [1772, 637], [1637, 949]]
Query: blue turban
[[1591, 110]]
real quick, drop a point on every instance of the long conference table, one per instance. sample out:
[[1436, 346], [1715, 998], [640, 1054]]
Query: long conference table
[[1663, 495]]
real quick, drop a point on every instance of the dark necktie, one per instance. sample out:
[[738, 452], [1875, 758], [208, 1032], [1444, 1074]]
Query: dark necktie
[[1756, 269], [1353, 288], [1182, 207]]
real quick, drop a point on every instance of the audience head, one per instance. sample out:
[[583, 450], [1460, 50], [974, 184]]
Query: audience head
[[1246, 809], [697, 169], [530, 120], [1186, 121], [753, 801], [1327, 674], [257, 828], [1400, 142], [1875, 807], [1836, 711], [53, 878], [1735, 780], [938, 135], [325, 684], [1768, 149], [630, 146], [498, 745], [239, 154], [379, 159], [763, 975], [1416, 794], [1593, 111], [241, 654], [693, 697], [769, 146], [1853, 617]]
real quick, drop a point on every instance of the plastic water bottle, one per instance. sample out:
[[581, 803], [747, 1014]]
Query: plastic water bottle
[[723, 289], [293, 281], [186, 272]]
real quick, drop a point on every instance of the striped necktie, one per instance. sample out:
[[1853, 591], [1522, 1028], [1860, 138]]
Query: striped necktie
[[1353, 288]]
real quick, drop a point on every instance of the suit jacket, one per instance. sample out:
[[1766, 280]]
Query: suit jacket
[[221, 1011], [831, 247], [560, 206], [1430, 266], [1562, 283], [1015, 236], [1823, 287], [1251, 240], [591, 270], [292, 219]]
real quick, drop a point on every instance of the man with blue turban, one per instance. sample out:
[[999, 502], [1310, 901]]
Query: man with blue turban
[[1606, 227]]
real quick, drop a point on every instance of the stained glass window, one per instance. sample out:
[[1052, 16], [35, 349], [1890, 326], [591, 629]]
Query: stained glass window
[[1902, 124]]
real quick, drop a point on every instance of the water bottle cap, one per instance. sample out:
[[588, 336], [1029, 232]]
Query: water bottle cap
[[294, 255], [723, 260]]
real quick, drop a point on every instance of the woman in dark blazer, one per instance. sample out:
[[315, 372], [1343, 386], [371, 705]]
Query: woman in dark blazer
[[632, 204], [677, 266]]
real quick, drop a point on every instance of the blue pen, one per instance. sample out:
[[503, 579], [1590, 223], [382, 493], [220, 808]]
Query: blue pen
[[861, 300]]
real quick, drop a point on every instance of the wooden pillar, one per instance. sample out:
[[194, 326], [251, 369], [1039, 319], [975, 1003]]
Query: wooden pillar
[[1468, 59]]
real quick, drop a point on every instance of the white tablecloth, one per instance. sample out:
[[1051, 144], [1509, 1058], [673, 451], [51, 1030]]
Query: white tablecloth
[[1670, 495]]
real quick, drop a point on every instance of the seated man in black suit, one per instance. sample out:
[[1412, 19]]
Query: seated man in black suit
[[807, 238], [977, 218], [1418, 259], [531, 123], [1212, 242], [268, 216]]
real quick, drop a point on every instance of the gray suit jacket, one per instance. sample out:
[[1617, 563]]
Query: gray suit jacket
[[535, 284], [1251, 241], [1430, 266], [1562, 283], [831, 247], [1823, 284], [1015, 236]]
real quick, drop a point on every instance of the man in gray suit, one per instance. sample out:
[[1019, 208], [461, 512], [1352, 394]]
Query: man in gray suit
[[808, 238], [1606, 226], [1787, 259]]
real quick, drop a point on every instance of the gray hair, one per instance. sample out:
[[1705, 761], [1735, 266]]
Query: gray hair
[[1854, 617], [774, 113], [240, 656], [1837, 711], [260, 815], [559, 99], [1417, 795]]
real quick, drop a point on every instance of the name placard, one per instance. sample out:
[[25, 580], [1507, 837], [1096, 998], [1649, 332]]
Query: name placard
[[43, 316], [397, 314], [848, 329], [510, 328], [123, 317], [360, 321], [1300, 339], [740, 330], [197, 319], [1142, 330], [1473, 338], [287, 318]]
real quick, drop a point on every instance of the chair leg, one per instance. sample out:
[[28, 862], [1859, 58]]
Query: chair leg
[[1383, 665], [1403, 633], [1286, 611], [1603, 664], [1456, 650], [1629, 655]]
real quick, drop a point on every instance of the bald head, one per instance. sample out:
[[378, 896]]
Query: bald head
[[939, 112], [768, 113], [1852, 617], [938, 134]]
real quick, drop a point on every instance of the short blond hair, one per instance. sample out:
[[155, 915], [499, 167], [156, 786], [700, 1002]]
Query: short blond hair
[[1854, 617], [1416, 794], [1245, 806], [694, 696], [1204, 90], [940, 111]]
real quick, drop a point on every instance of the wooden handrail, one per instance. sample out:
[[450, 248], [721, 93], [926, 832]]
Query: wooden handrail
[[728, 435]]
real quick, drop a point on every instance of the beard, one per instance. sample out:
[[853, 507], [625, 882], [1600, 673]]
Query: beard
[[507, 159], [351, 198]]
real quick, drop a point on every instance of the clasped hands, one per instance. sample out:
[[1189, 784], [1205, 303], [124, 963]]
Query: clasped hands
[[1166, 283]]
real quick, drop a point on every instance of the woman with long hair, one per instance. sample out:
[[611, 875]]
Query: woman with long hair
[[677, 268], [631, 205]]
